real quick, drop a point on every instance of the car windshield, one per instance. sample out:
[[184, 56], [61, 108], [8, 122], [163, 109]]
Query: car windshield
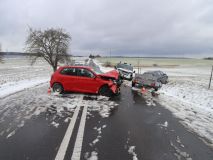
[[97, 70], [125, 66]]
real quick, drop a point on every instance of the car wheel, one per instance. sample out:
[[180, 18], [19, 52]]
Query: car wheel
[[130, 79], [118, 92], [133, 84], [105, 91], [58, 88], [156, 89]]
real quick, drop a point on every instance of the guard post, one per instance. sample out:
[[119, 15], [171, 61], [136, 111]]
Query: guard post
[[210, 78]]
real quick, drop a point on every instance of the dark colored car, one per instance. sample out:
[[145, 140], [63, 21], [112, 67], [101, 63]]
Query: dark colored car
[[147, 79], [85, 79], [161, 76], [125, 70]]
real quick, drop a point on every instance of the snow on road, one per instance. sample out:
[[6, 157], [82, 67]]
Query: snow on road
[[131, 151]]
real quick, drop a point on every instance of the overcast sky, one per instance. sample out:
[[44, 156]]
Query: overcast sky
[[127, 27]]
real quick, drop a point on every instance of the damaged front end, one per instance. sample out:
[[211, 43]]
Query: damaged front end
[[114, 81]]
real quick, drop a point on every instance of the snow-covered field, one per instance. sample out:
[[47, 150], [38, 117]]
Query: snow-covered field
[[187, 96], [17, 74]]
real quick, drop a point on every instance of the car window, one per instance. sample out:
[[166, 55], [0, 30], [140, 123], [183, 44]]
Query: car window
[[124, 66], [69, 71], [85, 73]]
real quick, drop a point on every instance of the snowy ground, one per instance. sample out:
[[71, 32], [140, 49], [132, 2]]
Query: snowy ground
[[17, 74], [187, 96], [23, 96]]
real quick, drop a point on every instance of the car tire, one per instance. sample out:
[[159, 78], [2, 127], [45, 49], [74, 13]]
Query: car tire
[[156, 89], [118, 92], [58, 88], [130, 79], [133, 84], [105, 91]]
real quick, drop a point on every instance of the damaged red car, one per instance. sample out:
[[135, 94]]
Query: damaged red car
[[84, 79]]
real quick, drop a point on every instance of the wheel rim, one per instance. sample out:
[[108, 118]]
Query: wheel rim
[[105, 91], [57, 88]]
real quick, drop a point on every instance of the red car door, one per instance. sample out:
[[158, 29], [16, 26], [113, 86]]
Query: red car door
[[87, 81], [69, 79]]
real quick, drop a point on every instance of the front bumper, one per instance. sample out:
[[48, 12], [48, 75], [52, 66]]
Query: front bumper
[[127, 77], [140, 85], [114, 88]]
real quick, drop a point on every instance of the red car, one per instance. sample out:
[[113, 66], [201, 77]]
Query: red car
[[85, 79]]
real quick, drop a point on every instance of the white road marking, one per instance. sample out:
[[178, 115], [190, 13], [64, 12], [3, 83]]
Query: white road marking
[[63, 147], [76, 155]]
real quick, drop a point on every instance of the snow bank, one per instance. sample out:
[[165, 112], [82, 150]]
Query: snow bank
[[16, 74], [13, 87]]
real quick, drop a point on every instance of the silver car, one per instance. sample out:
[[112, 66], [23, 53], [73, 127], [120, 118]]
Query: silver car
[[125, 70]]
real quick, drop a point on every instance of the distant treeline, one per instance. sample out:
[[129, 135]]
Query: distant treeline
[[147, 57], [94, 56], [209, 58], [15, 53]]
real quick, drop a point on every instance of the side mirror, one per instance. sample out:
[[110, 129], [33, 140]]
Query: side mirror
[[133, 71]]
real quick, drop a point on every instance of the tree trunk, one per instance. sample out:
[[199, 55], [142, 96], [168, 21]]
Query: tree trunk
[[54, 68]]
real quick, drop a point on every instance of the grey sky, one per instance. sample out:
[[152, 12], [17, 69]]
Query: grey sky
[[133, 27]]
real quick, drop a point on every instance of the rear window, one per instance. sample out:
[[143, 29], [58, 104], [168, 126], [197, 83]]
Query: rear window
[[69, 71]]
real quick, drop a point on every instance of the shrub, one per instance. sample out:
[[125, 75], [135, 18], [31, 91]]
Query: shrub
[[108, 64]]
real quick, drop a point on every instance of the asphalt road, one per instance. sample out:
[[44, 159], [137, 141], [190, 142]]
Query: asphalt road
[[137, 128]]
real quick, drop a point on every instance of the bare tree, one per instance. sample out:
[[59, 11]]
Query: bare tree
[[51, 44]]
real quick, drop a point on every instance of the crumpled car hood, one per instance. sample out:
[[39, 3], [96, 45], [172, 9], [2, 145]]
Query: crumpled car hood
[[111, 74]]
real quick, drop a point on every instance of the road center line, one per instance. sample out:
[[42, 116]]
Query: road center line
[[64, 144], [76, 155]]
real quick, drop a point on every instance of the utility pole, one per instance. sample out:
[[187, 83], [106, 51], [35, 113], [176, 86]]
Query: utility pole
[[138, 66], [210, 78]]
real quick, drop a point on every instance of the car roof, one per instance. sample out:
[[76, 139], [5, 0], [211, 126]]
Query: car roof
[[85, 67]]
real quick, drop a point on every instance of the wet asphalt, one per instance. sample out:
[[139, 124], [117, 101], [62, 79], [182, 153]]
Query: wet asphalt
[[132, 123]]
